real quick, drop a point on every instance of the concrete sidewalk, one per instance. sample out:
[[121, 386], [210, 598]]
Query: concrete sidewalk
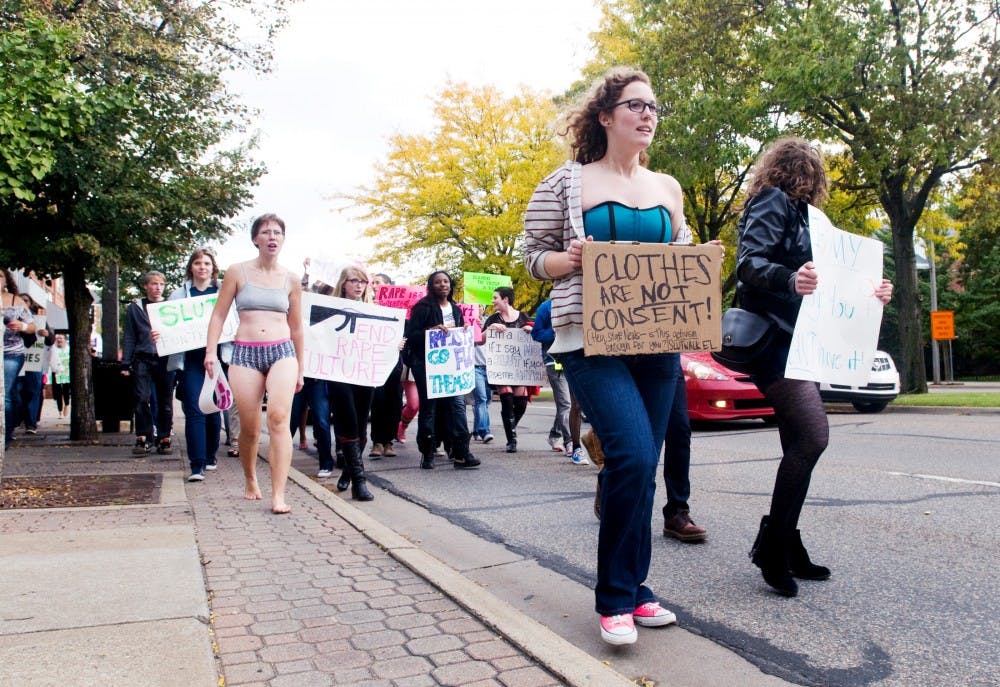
[[201, 587]]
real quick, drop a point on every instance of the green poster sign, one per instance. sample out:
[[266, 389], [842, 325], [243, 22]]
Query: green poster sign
[[479, 287]]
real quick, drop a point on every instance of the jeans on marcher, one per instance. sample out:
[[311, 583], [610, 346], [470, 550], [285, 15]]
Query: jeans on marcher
[[30, 391], [559, 433], [481, 404], [627, 400], [677, 451], [454, 406], [151, 380], [201, 431], [319, 399], [11, 367]]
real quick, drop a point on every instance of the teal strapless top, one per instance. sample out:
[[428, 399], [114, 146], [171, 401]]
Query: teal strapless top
[[613, 221]]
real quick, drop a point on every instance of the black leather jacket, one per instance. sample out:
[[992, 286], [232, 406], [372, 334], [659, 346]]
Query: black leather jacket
[[773, 243], [426, 314]]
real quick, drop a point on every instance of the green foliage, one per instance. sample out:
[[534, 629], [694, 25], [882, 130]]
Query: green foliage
[[454, 199]]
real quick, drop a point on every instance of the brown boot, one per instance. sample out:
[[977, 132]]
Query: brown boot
[[682, 527]]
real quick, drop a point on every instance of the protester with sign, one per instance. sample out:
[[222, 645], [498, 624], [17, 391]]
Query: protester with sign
[[387, 400], [31, 386], [267, 353], [436, 310], [606, 193], [513, 399], [774, 270], [17, 321], [351, 403], [201, 431], [148, 370], [59, 368]]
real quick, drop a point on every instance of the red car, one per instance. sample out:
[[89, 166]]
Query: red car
[[715, 392]]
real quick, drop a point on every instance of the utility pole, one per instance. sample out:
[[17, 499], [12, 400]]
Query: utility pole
[[935, 354]]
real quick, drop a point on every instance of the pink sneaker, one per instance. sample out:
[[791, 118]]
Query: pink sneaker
[[652, 614], [618, 629], [401, 433]]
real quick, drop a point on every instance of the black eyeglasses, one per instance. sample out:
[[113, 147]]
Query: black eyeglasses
[[640, 106], [363, 282]]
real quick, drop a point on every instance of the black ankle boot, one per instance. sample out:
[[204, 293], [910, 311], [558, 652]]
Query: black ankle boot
[[356, 464], [345, 480], [798, 560], [427, 461], [768, 554]]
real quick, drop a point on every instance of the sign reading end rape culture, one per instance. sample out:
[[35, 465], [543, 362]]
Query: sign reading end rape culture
[[183, 323], [513, 358], [641, 298], [836, 333], [450, 361], [350, 341]]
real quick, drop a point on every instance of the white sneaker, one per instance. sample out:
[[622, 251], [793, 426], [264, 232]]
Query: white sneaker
[[197, 477], [322, 474], [578, 458], [211, 466]]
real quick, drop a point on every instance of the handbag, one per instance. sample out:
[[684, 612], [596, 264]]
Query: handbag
[[746, 337]]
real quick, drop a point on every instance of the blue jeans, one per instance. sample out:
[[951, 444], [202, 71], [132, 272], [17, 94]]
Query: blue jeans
[[30, 391], [11, 366], [481, 404], [677, 451], [201, 431], [628, 401], [316, 395]]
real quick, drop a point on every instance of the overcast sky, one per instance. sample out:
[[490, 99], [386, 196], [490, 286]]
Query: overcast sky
[[348, 74]]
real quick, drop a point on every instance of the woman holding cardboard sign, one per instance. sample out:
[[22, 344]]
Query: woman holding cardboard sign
[[774, 270], [267, 353], [606, 193]]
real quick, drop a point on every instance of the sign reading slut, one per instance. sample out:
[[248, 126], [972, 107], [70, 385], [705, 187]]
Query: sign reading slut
[[350, 341], [836, 333], [642, 298], [450, 361], [183, 323]]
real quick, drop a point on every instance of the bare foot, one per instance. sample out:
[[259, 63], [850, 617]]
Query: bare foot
[[252, 491], [280, 508]]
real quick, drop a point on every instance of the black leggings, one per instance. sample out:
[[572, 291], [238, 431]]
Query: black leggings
[[60, 392], [805, 433]]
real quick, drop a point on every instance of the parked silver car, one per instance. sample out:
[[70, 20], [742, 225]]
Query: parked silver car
[[882, 387]]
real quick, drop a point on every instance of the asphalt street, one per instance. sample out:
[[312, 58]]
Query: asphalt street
[[903, 507]]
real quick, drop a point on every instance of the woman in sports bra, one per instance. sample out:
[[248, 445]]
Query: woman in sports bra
[[267, 353], [606, 193]]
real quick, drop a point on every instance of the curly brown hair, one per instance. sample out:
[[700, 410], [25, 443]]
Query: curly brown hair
[[587, 139], [795, 166]]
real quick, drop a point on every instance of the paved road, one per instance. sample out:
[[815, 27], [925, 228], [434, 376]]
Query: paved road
[[903, 507]]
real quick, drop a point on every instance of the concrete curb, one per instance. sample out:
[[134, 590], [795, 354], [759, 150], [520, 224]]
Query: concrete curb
[[554, 653]]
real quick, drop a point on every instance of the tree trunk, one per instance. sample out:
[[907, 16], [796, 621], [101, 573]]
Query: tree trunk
[[83, 426], [912, 372]]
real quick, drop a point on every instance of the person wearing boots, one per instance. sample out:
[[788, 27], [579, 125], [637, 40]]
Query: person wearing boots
[[513, 399], [437, 310], [774, 270], [351, 403]]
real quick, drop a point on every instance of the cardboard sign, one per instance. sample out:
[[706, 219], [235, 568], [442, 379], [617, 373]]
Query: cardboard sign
[[405, 297], [836, 333], [479, 287], [472, 316], [513, 358], [350, 341], [450, 362], [183, 323], [641, 298], [34, 358]]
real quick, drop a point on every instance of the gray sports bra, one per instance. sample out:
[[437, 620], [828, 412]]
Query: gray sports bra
[[251, 297]]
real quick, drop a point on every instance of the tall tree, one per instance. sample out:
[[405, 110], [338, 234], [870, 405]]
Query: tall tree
[[156, 169], [455, 198], [907, 87]]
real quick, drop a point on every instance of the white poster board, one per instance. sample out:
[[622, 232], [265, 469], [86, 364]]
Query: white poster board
[[183, 323], [513, 358], [450, 361], [350, 341], [836, 333], [34, 358]]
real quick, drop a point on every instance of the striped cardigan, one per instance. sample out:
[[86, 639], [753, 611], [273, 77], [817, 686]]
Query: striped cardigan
[[555, 217]]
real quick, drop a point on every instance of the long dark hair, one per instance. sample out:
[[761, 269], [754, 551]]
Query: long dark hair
[[588, 140], [795, 166], [430, 287]]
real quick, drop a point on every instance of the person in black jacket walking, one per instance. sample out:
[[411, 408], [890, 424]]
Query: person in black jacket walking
[[437, 310], [774, 270]]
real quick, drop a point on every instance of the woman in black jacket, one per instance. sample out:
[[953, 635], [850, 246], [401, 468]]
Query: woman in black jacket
[[774, 271], [436, 310]]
